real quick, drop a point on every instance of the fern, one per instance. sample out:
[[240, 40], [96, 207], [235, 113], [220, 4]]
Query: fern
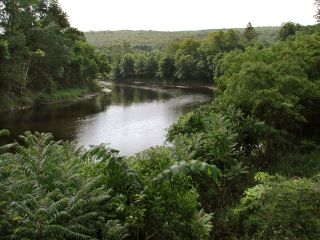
[[6, 148], [115, 230], [57, 230], [203, 221]]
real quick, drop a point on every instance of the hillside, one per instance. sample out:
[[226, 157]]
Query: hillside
[[156, 39]]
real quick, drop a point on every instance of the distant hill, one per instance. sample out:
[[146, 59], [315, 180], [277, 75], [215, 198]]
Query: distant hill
[[156, 39]]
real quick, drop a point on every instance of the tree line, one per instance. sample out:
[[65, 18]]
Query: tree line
[[188, 59]]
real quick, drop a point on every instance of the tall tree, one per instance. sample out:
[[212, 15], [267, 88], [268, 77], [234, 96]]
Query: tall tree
[[250, 33], [288, 29], [317, 16]]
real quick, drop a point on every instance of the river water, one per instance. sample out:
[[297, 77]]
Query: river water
[[130, 118]]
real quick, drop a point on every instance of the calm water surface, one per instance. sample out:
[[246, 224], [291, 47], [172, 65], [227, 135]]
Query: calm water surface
[[130, 118]]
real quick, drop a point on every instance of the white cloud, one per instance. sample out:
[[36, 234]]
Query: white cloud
[[184, 14]]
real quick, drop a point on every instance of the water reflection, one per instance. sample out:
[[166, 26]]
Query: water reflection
[[130, 118]]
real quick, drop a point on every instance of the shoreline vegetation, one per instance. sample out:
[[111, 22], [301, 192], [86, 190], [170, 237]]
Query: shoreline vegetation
[[83, 93], [58, 96]]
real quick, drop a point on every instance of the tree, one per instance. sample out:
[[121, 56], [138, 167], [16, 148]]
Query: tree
[[40, 51], [275, 85], [185, 67], [52, 12], [288, 29], [317, 16], [166, 67], [140, 65], [279, 208], [250, 33], [127, 66], [37, 53], [151, 67]]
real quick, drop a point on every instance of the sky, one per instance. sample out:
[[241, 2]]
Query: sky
[[175, 15]]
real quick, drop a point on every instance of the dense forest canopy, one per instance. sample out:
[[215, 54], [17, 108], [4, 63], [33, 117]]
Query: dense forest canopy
[[174, 56], [40, 51], [150, 40], [186, 59], [245, 166]]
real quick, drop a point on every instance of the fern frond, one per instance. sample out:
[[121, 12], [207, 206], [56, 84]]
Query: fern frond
[[4, 133], [62, 203], [114, 229], [87, 217], [82, 229], [57, 230], [92, 183], [192, 167], [7, 147], [21, 208], [99, 199], [60, 215]]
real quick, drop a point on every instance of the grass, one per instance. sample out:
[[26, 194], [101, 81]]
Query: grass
[[11, 102], [62, 95]]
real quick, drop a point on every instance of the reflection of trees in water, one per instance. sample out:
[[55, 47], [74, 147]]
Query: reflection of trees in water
[[129, 95], [64, 119]]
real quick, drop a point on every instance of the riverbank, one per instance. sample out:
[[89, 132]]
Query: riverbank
[[162, 83], [12, 103]]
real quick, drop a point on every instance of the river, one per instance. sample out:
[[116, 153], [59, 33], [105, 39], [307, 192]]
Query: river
[[130, 118]]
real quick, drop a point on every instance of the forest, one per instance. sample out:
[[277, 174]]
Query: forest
[[40, 53], [245, 166], [174, 56], [151, 40]]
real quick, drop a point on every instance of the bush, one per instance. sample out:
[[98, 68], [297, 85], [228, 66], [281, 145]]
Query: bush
[[280, 208]]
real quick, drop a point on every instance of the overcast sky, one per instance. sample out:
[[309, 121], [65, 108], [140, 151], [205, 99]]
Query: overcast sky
[[172, 15]]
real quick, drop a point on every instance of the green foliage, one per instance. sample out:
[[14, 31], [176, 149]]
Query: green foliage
[[288, 29], [4, 50], [47, 195], [215, 123], [56, 191], [62, 95], [166, 67], [171, 201], [278, 208], [4, 132], [250, 33], [264, 118], [40, 52], [127, 66], [317, 16], [157, 40], [181, 60], [297, 164], [275, 85], [194, 167]]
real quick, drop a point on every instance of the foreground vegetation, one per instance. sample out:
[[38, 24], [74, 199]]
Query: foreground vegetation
[[55, 191]]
